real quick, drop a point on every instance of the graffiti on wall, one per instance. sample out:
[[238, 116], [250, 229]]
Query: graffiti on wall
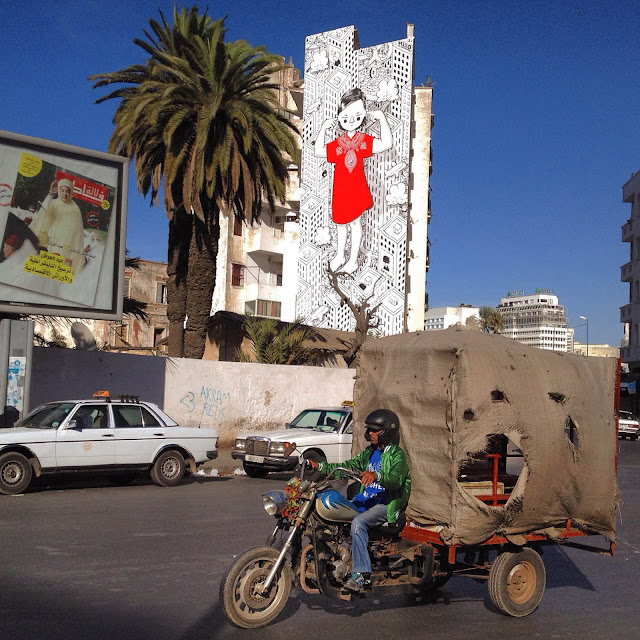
[[206, 403], [354, 208]]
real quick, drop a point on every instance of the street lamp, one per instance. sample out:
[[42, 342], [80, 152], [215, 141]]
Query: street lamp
[[587, 323]]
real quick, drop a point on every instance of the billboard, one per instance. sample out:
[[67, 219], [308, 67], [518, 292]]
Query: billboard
[[62, 226], [354, 206]]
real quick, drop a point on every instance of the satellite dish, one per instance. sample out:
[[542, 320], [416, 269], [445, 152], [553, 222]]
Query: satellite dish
[[82, 337]]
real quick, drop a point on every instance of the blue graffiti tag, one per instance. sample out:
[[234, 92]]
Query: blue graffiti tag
[[213, 402], [188, 401]]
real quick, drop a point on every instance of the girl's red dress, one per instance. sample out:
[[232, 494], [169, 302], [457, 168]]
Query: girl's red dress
[[351, 196]]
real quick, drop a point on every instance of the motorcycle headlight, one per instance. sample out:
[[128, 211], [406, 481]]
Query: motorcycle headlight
[[240, 444], [273, 502]]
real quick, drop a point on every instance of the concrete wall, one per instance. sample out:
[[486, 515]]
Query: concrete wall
[[230, 396]]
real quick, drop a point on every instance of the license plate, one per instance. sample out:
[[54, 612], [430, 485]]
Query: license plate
[[250, 458]]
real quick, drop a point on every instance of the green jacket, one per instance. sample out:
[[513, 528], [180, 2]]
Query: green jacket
[[394, 476]]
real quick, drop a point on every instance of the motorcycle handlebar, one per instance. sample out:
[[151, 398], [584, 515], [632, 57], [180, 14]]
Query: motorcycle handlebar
[[348, 472]]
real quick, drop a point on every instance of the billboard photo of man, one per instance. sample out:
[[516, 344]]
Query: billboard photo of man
[[67, 215], [59, 227]]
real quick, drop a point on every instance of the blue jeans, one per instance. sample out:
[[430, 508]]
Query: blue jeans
[[373, 517]]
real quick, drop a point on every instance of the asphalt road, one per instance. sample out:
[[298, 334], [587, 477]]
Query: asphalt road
[[89, 561]]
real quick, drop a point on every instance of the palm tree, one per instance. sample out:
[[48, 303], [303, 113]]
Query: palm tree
[[200, 119], [490, 320], [274, 342]]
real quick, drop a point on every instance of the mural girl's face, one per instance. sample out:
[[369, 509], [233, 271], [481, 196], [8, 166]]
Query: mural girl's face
[[352, 115]]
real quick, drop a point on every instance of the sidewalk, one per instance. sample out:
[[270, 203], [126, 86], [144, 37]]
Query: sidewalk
[[224, 463]]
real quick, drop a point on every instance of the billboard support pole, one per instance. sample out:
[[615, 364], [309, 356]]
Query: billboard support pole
[[16, 355]]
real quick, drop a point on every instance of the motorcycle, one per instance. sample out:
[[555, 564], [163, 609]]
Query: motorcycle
[[314, 519]]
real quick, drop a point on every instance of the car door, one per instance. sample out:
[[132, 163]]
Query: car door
[[345, 438], [333, 439], [138, 433], [87, 439]]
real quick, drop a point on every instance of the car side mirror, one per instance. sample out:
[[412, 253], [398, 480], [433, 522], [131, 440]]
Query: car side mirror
[[74, 425], [287, 425]]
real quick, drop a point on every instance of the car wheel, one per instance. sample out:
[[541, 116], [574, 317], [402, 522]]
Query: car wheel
[[168, 469], [254, 470], [634, 437], [15, 473], [517, 581]]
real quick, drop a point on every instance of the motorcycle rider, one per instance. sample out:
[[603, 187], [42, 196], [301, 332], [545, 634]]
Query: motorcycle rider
[[385, 487]]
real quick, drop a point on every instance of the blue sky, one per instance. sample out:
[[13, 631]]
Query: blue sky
[[537, 125]]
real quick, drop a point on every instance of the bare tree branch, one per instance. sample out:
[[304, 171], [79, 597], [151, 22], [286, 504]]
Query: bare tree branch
[[363, 314]]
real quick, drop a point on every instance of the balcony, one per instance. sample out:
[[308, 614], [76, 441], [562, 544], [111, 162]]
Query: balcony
[[630, 354], [266, 240], [267, 290], [631, 188], [626, 313], [627, 231], [626, 272]]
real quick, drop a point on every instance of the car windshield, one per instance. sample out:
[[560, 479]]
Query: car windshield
[[47, 416], [625, 415], [318, 419]]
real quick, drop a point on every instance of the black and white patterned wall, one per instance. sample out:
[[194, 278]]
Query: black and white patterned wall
[[355, 178]]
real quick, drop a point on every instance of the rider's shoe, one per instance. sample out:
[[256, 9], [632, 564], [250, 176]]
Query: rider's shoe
[[356, 583]]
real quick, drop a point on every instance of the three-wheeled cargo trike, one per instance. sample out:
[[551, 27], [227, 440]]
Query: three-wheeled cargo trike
[[510, 448]]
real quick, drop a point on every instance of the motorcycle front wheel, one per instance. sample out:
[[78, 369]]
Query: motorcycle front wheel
[[240, 589]]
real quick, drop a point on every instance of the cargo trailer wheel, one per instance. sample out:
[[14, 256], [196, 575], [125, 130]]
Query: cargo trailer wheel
[[516, 582]]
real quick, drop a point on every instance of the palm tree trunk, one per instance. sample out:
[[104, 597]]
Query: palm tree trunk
[[180, 234], [201, 280]]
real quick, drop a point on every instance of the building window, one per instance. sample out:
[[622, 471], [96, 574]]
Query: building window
[[237, 227], [126, 289], [161, 293], [237, 275], [278, 279], [268, 308]]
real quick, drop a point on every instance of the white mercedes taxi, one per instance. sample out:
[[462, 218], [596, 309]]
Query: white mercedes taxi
[[321, 434], [123, 436]]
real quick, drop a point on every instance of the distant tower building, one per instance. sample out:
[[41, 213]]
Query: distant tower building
[[445, 317], [535, 319], [630, 272]]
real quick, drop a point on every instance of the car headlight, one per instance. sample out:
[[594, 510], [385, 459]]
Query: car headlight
[[240, 444], [282, 448], [274, 502]]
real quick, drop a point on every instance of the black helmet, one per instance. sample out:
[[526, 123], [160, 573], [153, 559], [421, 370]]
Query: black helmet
[[386, 421]]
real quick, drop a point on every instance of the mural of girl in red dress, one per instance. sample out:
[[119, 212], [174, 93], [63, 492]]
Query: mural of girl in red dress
[[351, 196]]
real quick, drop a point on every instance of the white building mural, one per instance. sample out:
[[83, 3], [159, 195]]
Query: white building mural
[[356, 143]]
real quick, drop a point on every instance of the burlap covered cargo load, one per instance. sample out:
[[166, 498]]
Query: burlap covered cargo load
[[453, 389]]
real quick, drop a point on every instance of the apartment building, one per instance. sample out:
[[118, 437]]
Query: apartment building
[[256, 264], [445, 317], [535, 319], [630, 272], [259, 267]]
